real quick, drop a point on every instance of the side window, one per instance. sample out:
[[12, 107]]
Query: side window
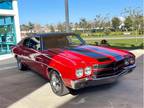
[[74, 41], [34, 43], [26, 42]]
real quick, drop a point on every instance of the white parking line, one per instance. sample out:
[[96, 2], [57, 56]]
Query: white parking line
[[6, 68]]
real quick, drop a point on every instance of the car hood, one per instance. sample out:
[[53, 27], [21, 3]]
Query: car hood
[[85, 54]]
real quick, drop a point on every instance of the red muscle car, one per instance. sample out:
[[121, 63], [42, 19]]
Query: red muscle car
[[69, 63]]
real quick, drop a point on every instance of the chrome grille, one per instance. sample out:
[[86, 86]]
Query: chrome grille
[[113, 69]]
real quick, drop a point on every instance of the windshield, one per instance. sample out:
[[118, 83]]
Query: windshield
[[62, 41]]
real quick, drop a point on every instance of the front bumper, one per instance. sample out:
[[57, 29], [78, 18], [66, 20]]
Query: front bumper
[[85, 82]]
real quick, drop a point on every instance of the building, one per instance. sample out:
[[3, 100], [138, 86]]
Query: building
[[9, 25]]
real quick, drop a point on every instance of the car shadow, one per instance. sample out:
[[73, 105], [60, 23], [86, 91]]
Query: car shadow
[[93, 89]]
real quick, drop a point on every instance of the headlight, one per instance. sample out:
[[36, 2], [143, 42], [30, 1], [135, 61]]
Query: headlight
[[79, 73], [88, 70], [131, 60], [126, 62]]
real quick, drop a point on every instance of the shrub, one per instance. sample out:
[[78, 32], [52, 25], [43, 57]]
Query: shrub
[[107, 31]]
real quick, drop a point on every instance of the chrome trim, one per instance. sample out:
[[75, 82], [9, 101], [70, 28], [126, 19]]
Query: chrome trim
[[77, 84]]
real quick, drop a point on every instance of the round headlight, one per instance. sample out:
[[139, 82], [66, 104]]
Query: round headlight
[[88, 70], [79, 73], [131, 60], [126, 62]]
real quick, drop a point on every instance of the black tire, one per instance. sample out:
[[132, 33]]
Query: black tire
[[20, 65], [57, 84], [73, 92]]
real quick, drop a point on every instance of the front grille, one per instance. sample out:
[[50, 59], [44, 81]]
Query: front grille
[[107, 73], [119, 63], [113, 69], [111, 65]]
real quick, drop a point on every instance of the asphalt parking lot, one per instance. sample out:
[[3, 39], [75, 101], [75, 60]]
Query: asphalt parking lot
[[26, 89]]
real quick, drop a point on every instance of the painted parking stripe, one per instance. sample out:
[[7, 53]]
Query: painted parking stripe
[[7, 68]]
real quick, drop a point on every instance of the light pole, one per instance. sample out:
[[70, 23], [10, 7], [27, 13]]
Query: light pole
[[67, 16]]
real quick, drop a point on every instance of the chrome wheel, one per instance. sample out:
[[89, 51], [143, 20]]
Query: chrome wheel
[[56, 83]]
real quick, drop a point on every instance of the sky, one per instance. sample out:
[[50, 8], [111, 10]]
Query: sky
[[53, 11]]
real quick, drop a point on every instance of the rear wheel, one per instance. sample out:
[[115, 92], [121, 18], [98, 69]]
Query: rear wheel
[[57, 84], [20, 65]]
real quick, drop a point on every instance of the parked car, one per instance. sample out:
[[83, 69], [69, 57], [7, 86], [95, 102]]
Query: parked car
[[69, 63]]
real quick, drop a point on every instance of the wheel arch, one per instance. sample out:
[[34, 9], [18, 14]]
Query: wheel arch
[[64, 88], [50, 70]]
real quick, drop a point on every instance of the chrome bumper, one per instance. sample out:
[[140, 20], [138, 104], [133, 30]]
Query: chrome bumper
[[85, 82]]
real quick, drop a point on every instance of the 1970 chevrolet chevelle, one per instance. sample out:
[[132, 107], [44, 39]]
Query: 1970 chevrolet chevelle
[[69, 63]]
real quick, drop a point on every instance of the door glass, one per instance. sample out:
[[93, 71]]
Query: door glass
[[26, 42], [35, 43], [74, 41]]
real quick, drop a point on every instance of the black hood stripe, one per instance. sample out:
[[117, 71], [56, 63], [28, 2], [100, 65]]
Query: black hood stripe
[[91, 54], [115, 55]]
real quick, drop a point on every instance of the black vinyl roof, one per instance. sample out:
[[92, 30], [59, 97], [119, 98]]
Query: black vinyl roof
[[52, 34]]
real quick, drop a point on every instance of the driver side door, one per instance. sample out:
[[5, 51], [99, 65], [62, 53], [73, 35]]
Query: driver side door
[[37, 59]]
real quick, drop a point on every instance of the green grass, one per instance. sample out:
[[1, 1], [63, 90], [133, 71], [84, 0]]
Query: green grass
[[105, 36], [111, 35], [122, 43]]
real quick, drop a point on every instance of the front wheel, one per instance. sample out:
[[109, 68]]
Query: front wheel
[[57, 84]]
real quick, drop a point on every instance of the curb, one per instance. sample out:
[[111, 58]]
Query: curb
[[138, 52]]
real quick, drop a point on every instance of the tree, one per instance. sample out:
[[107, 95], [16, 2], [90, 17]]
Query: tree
[[52, 28], [137, 18], [37, 28], [47, 28], [76, 26], [61, 27], [97, 21], [24, 27], [89, 26], [116, 23], [30, 26], [101, 23], [83, 24], [128, 23]]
